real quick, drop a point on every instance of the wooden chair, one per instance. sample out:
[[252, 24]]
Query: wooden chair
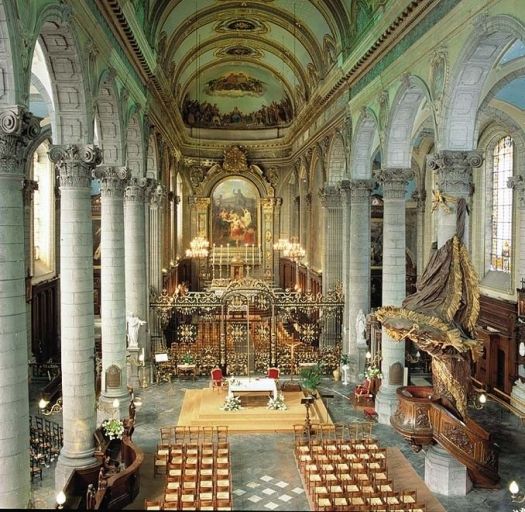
[[217, 379], [152, 505], [160, 460], [273, 373]]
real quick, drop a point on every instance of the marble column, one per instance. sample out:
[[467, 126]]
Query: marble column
[[135, 261], [517, 183], [17, 128], [359, 270], [113, 295], [333, 254], [345, 200], [454, 180], [419, 197], [394, 183], [74, 165]]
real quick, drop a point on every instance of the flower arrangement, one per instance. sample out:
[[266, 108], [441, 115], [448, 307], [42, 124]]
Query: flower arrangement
[[113, 428], [277, 404], [345, 360], [373, 372], [232, 403]]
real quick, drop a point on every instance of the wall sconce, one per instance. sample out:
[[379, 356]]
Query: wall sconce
[[521, 349], [479, 401], [56, 407], [61, 499], [368, 355], [516, 496], [164, 270]]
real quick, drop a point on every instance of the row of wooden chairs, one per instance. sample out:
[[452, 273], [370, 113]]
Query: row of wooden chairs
[[172, 434], [334, 432], [46, 440], [350, 474]]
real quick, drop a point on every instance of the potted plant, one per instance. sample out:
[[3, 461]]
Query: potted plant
[[311, 378], [345, 365], [113, 429]]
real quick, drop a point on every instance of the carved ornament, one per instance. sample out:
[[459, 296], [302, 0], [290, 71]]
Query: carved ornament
[[394, 182], [75, 163], [113, 180]]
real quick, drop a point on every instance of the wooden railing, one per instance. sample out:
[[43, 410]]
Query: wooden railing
[[422, 420], [119, 489]]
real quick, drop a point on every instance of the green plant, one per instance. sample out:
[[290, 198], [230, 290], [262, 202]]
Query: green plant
[[345, 359], [187, 359], [311, 377], [113, 428]]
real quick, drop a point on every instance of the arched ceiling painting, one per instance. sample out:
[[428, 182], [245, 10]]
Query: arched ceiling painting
[[251, 64]]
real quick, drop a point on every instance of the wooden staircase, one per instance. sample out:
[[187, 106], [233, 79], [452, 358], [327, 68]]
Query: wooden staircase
[[423, 420]]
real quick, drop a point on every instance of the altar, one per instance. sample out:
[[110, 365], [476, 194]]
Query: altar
[[251, 385]]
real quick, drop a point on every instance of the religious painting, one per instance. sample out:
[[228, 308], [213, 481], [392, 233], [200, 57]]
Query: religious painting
[[234, 213], [235, 84]]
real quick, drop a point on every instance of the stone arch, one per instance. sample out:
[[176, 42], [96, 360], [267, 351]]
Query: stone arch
[[152, 158], [336, 160], [109, 120], [478, 56], [316, 225], [9, 37], [72, 123], [362, 145], [134, 151], [398, 141], [502, 82]]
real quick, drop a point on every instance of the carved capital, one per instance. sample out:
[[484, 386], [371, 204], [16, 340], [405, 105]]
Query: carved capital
[[18, 127], [135, 190], [419, 196], [156, 195], [269, 203], [75, 163], [454, 171], [360, 190], [113, 180], [330, 197], [345, 191], [517, 183], [394, 182], [199, 203]]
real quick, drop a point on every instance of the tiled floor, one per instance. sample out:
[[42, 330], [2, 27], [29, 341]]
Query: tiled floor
[[265, 476]]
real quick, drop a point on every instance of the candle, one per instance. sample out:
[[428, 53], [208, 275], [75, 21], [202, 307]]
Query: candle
[[213, 256], [246, 253], [227, 254], [142, 356], [259, 253], [220, 257], [253, 255]]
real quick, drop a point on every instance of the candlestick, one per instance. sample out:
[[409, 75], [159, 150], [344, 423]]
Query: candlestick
[[246, 253], [213, 256], [220, 257], [227, 254], [259, 253], [253, 255]]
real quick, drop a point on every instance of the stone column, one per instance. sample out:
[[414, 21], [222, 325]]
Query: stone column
[[517, 183], [135, 261], [113, 294], [74, 165], [454, 180], [345, 200], [420, 197], [359, 270], [394, 183], [155, 198], [17, 128], [333, 254]]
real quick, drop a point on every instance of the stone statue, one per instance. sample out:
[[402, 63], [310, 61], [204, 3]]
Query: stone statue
[[134, 323], [90, 497], [360, 326]]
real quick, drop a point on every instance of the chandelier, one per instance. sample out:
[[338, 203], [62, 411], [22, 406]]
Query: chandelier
[[294, 251], [198, 248], [282, 244]]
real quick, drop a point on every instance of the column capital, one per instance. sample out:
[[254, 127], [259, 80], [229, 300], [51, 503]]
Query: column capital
[[419, 196], [454, 170], [18, 127], [360, 189], [113, 179], [135, 190], [330, 197], [269, 203], [517, 183], [75, 163], [394, 181], [155, 194], [345, 191]]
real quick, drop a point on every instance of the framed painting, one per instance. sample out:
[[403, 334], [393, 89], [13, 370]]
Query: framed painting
[[234, 218]]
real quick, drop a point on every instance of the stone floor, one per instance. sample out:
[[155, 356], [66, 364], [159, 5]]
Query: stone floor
[[264, 473]]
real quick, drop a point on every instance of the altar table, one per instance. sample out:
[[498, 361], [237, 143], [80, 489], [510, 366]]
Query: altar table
[[252, 385]]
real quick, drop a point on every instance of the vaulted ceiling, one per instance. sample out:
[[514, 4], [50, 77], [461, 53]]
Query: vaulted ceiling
[[283, 46]]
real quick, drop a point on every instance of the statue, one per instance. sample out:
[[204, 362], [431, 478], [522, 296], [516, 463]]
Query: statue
[[90, 497], [134, 323], [360, 326]]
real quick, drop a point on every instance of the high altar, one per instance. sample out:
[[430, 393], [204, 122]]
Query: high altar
[[235, 208]]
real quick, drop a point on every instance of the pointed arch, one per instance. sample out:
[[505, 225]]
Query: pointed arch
[[134, 150], [336, 160]]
